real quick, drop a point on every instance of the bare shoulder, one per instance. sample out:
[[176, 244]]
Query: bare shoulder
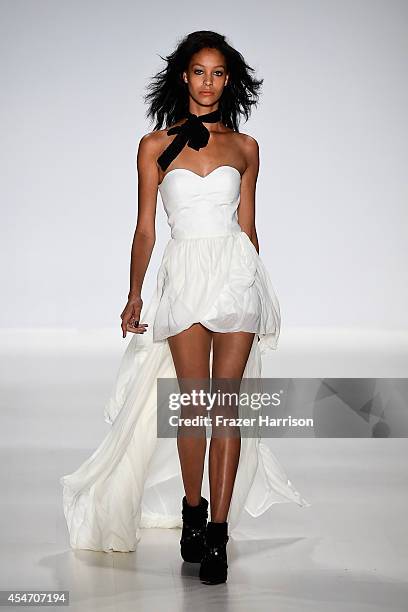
[[151, 142], [150, 146], [249, 144], [249, 148]]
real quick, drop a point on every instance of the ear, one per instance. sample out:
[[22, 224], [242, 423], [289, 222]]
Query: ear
[[184, 77]]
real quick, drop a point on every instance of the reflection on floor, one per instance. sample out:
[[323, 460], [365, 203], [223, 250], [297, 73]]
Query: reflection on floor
[[345, 553]]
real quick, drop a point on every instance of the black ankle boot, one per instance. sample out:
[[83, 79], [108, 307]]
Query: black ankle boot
[[193, 534], [213, 569]]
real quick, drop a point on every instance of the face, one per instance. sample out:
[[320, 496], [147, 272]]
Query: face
[[206, 76]]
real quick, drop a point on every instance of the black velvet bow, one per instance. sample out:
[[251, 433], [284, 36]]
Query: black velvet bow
[[192, 132]]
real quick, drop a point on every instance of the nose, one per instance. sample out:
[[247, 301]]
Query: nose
[[207, 80]]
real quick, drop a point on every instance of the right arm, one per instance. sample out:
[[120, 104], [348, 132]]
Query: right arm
[[145, 235]]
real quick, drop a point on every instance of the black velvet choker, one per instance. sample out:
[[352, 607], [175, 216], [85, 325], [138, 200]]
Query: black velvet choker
[[192, 132]]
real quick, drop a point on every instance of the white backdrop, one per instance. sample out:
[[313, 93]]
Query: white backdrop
[[331, 220], [332, 190]]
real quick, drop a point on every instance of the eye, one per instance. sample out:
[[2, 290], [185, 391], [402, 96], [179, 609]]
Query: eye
[[217, 72]]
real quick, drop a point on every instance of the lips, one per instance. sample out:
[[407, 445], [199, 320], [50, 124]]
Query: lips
[[207, 93]]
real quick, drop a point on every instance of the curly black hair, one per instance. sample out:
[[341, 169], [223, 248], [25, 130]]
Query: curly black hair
[[167, 96]]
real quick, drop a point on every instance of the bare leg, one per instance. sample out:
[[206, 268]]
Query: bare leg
[[190, 350], [230, 355]]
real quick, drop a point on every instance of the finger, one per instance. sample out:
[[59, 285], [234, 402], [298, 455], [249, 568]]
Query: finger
[[140, 328]]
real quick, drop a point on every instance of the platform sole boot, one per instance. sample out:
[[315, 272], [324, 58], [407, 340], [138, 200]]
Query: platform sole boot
[[194, 530], [214, 565]]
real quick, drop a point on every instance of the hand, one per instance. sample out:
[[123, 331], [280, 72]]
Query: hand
[[131, 315]]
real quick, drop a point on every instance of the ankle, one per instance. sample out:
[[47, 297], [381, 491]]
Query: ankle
[[217, 531], [193, 502]]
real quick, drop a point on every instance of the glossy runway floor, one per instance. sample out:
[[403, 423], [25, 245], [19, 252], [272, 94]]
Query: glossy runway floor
[[347, 552]]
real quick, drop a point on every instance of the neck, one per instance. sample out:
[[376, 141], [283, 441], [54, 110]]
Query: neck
[[199, 111], [202, 110]]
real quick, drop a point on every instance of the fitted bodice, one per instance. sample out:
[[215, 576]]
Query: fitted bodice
[[201, 206]]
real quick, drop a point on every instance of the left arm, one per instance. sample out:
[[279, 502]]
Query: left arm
[[246, 208]]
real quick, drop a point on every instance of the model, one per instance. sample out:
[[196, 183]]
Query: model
[[213, 314]]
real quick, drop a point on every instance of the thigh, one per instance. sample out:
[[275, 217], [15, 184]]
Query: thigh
[[230, 353], [190, 350]]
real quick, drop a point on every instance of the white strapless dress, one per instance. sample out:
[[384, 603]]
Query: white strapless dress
[[210, 273]]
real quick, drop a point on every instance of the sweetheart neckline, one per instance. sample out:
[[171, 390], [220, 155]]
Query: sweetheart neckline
[[199, 175]]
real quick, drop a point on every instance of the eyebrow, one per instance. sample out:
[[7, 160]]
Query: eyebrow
[[218, 65]]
